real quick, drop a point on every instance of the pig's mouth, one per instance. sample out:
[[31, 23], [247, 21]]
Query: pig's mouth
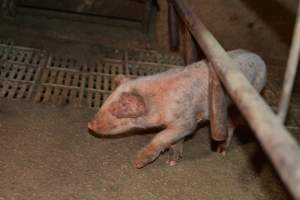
[[102, 132], [96, 129], [104, 129], [92, 126], [111, 134]]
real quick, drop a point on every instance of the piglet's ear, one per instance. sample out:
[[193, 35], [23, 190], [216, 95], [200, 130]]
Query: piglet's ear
[[119, 79], [130, 105]]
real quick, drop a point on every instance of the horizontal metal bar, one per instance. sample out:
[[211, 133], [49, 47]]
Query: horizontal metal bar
[[74, 88], [20, 64], [22, 48], [86, 73], [15, 80], [276, 141]]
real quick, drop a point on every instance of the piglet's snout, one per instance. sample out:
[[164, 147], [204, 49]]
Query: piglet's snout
[[92, 125]]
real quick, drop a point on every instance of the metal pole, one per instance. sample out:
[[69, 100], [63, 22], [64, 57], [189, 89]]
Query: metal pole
[[189, 47], [173, 27], [276, 141], [291, 71]]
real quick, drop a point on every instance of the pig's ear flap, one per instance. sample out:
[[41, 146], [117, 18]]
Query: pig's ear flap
[[119, 79], [130, 105]]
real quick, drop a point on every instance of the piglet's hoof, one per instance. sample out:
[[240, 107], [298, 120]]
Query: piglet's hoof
[[138, 164], [171, 163], [146, 156], [221, 149], [175, 154], [174, 158], [142, 160]]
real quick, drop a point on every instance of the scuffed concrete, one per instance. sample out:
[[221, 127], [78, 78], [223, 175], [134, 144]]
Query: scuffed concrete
[[47, 153]]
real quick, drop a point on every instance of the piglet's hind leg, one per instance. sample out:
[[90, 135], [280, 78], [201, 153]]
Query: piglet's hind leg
[[175, 153], [224, 145]]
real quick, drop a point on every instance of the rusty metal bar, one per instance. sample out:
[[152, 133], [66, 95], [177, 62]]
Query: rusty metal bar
[[189, 47], [276, 141], [217, 107], [173, 27], [291, 71], [147, 17]]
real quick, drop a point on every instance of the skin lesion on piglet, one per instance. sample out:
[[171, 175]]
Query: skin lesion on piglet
[[177, 101]]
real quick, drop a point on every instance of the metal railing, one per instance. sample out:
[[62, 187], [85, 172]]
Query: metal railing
[[276, 141], [291, 70]]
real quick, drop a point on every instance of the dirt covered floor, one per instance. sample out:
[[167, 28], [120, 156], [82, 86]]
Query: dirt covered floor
[[46, 151]]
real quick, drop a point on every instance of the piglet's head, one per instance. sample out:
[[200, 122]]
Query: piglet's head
[[120, 111]]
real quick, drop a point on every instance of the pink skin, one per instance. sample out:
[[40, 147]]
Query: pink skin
[[176, 100]]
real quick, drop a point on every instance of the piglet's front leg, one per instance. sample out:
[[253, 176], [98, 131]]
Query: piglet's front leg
[[159, 143]]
